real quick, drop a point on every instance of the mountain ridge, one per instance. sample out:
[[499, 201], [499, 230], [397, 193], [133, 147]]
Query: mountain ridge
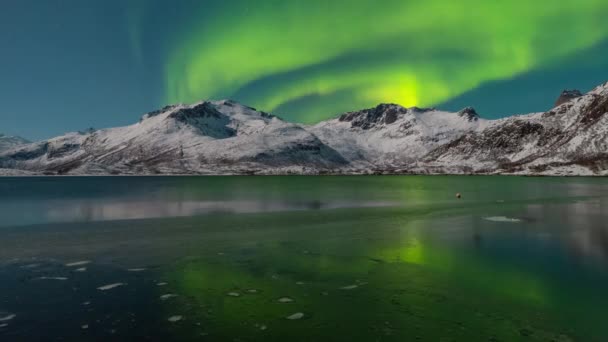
[[225, 137], [10, 142]]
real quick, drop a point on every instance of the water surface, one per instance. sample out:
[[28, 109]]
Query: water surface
[[395, 258]]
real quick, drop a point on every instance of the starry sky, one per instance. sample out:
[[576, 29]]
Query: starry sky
[[66, 65]]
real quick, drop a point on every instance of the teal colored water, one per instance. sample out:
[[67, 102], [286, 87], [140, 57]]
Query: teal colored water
[[395, 258]]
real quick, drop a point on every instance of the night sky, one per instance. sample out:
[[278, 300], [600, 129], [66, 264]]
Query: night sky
[[67, 65]]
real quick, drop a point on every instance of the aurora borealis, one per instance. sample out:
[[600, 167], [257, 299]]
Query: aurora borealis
[[328, 57], [304, 60]]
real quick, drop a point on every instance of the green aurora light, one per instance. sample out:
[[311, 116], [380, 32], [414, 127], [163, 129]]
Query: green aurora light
[[309, 60]]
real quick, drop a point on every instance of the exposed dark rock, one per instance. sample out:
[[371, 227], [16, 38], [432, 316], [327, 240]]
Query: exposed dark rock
[[597, 108], [469, 113], [157, 112], [566, 96], [207, 119], [493, 142], [203, 110], [368, 118]]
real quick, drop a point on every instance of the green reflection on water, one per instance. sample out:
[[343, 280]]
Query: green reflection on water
[[390, 282]]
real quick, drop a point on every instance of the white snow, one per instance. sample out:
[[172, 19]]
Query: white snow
[[224, 137]]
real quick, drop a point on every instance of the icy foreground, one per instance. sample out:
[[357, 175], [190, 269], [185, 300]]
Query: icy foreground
[[224, 137]]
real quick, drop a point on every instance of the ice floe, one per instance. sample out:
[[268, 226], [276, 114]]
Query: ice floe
[[7, 318], [168, 296], [297, 315], [349, 287], [285, 300], [78, 263], [502, 219], [52, 278], [110, 286], [174, 319]]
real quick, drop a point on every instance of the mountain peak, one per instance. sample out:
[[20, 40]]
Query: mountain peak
[[204, 109], [567, 95], [384, 113], [469, 113], [159, 111]]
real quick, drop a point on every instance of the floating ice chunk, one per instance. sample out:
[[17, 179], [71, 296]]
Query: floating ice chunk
[[52, 278], [285, 300], [349, 287], [174, 319], [78, 263], [110, 286], [136, 269], [297, 315], [502, 219], [7, 318], [168, 296], [234, 294]]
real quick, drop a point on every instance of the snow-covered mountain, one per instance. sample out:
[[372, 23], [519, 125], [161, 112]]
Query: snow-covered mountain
[[10, 142], [571, 138], [224, 137], [220, 137], [390, 136]]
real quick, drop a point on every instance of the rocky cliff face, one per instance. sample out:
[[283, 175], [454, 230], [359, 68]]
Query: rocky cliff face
[[224, 137]]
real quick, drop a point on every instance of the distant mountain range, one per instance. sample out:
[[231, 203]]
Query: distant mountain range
[[225, 137]]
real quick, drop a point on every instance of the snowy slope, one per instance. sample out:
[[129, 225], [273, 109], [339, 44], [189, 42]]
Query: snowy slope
[[207, 137], [572, 138], [224, 137], [393, 136], [11, 142]]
